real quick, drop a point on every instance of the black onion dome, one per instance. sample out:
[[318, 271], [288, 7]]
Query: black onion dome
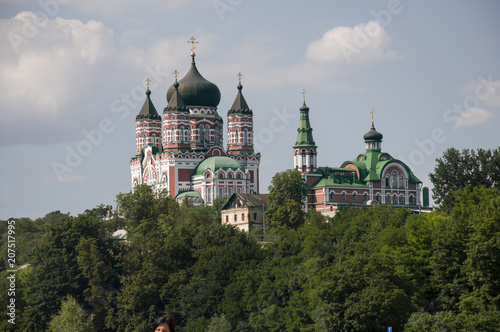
[[196, 90], [373, 135]]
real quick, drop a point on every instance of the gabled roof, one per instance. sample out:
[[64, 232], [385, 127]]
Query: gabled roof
[[246, 200]]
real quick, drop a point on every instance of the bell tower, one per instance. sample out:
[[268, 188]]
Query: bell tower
[[305, 149], [147, 125]]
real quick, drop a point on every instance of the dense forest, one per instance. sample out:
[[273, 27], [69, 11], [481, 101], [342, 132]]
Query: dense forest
[[363, 270]]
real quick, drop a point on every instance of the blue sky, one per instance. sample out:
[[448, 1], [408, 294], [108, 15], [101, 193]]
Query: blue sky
[[72, 82]]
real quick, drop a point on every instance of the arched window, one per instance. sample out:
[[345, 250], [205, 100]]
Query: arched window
[[202, 133], [394, 178], [395, 199], [411, 199], [387, 181], [365, 196], [388, 199], [344, 195], [401, 181], [303, 157], [235, 217], [401, 199], [227, 219], [332, 195], [378, 197], [354, 197]]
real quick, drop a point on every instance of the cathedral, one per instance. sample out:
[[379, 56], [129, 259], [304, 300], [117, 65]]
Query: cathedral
[[182, 150], [373, 177]]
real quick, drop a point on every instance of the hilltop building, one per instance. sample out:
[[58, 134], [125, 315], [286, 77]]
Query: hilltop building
[[245, 211], [372, 177], [182, 150]]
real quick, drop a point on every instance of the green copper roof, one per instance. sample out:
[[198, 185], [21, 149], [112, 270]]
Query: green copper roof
[[217, 162], [371, 164], [304, 132], [190, 193], [336, 176]]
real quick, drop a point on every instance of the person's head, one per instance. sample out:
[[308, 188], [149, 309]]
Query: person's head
[[164, 324]]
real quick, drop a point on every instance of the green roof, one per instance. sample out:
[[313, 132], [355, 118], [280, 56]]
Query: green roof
[[304, 132], [371, 164], [217, 162], [337, 176], [189, 193]]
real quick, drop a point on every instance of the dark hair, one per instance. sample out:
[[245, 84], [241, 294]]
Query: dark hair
[[164, 320]]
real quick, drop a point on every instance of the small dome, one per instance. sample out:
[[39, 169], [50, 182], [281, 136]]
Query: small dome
[[217, 162], [373, 135], [196, 90]]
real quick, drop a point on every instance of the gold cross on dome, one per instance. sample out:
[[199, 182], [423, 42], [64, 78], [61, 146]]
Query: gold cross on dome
[[192, 41], [304, 94], [176, 73], [239, 77], [147, 82], [372, 112]]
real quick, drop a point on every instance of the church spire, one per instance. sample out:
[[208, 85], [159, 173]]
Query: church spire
[[240, 105], [148, 125], [305, 154], [148, 110], [304, 132]]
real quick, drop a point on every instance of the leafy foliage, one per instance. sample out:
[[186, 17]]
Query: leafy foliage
[[363, 270], [287, 193], [456, 170]]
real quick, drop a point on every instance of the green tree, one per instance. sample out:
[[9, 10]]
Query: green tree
[[71, 317], [456, 169], [219, 324], [286, 197]]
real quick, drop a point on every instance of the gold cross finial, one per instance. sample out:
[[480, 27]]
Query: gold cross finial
[[176, 73], [192, 41], [147, 82], [372, 112], [304, 95], [239, 77]]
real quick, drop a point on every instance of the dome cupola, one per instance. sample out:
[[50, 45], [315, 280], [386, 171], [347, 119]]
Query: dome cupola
[[195, 89]]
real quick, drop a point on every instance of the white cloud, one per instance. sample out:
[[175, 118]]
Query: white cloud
[[484, 91], [365, 43], [44, 70], [472, 117]]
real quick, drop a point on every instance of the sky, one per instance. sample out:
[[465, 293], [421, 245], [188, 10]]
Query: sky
[[73, 79]]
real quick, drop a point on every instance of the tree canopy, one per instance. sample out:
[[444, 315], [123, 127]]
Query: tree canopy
[[456, 170], [363, 270]]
